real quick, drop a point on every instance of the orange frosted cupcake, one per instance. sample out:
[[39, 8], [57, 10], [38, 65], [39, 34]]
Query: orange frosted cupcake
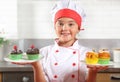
[[104, 57], [91, 57]]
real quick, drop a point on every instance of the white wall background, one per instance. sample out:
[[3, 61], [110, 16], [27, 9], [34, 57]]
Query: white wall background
[[8, 18], [102, 21]]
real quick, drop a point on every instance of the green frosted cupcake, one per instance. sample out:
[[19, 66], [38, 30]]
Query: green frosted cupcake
[[15, 54], [32, 53]]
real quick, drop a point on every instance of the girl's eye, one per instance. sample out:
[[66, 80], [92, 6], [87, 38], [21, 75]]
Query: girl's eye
[[71, 24], [61, 24]]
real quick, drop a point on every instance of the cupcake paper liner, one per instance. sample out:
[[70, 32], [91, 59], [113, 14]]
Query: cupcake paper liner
[[15, 56], [32, 57], [103, 61]]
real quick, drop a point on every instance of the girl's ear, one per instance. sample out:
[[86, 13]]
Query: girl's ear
[[78, 29]]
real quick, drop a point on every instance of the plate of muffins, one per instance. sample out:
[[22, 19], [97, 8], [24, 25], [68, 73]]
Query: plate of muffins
[[17, 55], [101, 58]]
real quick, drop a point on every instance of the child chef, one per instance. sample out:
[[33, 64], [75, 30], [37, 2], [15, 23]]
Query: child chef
[[61, 62]]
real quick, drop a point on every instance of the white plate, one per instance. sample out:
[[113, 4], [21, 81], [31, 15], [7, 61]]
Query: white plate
[[23, 60], [110, 64]]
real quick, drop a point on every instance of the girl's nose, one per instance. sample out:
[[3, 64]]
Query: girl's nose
[[64, 27]]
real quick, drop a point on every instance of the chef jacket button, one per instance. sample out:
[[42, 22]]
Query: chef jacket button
[[73, 76], [74, 52], [56, 63], [57, 51], [73, 64], [55, 76]]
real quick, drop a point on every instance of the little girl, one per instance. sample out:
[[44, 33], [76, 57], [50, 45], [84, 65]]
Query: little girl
[[61, 62]]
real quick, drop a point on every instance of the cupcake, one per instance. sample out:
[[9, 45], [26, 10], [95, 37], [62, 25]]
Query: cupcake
[[91, 57], [15, 54], [104, 57], [32, 53]]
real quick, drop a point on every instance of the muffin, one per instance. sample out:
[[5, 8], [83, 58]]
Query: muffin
[[91, 57], [32, 53], [104, 57], [15, 54]]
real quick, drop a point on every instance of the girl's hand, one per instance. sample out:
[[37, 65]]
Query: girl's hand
[[92, 73]]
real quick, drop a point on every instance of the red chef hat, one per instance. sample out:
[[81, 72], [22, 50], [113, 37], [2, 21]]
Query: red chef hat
[[67, 8], [68, 13]]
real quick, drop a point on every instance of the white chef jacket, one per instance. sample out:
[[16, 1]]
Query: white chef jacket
[[62, 64]]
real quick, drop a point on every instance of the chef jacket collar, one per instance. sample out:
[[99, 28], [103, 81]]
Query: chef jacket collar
[[75, 46]]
